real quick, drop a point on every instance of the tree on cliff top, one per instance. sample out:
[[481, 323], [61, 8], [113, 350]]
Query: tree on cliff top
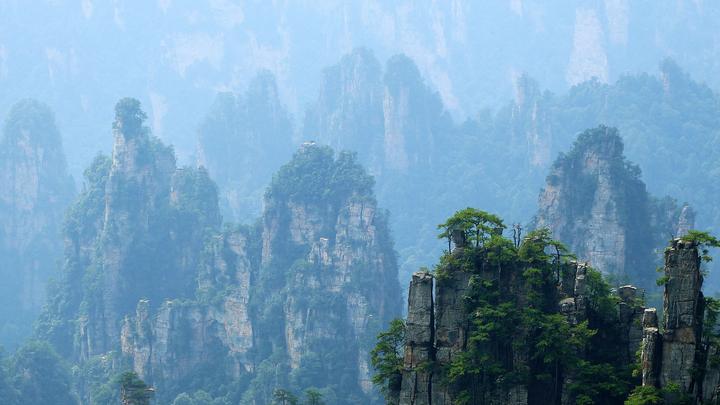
[[133, 390], [477, 225]]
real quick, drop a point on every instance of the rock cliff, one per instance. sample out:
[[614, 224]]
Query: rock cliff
[[476, 328], [35, 190], [401, 131], [291, 302], [680, 357], [595, 202]]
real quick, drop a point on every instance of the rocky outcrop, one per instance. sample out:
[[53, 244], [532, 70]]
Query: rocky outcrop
[[682, 315], [595, 202], [631, 313], [301, 293], [439, 330], [681, 359], [340, 284], [419, 351], [35, 190]]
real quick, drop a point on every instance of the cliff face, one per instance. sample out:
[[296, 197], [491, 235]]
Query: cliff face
[[293, 302], [476, 330], [35, 190], [595, 202], [681, 358], [326, 251], [401, 131]]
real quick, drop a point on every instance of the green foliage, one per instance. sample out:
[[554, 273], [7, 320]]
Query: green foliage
[[41, 376], [645, 395], [129, 117], [705, 241], [387, 357], [313, 397], [8, 394], [477, 225], [133, 390], [284, 397], [314, 175], [512, 305]]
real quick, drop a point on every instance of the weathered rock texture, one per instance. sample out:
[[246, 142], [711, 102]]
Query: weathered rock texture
[[438, 327], [189, 306], [682, 357], [595, 202], [402, 133], [416, 385], [35, 190]]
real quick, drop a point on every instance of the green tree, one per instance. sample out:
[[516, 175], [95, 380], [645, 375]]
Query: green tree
[[478, 226], [284, 397], [41, 377], [645, 395], [313, 397], [705, 241], [387, 357], [133, 390], [8, 393]]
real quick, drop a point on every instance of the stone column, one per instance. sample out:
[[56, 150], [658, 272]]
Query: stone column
[[630, 313], [650, 357], [683, 313], [416, 386]]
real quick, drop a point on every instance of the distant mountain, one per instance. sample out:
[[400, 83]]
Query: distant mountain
[[81, 56], [35, 190], [153, 283]]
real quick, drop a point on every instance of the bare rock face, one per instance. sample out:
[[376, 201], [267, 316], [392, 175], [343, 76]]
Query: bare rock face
[[650, 359], [680, 359], [416, 385], [630, 314], [35, 190], [595, 202], [682, 314]]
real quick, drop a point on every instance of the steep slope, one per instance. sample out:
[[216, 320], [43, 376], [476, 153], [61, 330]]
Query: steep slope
[[243, 140], [136, 231], [151, 283], [328, 265], [595, 203], [400, 130], [505, 322], [35, 190]]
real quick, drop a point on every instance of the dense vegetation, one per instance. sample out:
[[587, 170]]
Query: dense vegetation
[[516, 334]]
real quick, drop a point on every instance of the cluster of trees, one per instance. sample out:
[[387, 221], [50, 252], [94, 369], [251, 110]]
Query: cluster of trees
[[37, 375], [512, 309], [284, 397]]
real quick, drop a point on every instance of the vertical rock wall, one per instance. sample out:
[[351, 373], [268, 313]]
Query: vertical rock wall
[[680, 359]]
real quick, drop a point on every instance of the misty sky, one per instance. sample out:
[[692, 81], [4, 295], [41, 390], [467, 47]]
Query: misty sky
[[80, 56]]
